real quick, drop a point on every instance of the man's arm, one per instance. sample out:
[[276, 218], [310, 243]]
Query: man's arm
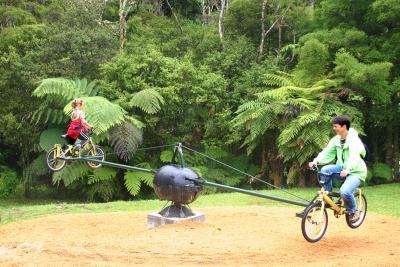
[[328, 154]]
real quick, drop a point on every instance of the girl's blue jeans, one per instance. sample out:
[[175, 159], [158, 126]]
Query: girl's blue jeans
[[346, 190]]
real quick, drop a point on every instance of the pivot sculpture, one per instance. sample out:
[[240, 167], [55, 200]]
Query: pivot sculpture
[[181, 185]]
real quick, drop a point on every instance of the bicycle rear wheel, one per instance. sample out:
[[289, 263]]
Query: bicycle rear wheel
[[314, 222], [52, 162], [362, 209]]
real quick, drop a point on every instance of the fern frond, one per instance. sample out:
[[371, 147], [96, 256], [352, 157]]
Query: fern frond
[[133, 181], [166, 156], [148, 100], [101, 174], [103, 190], [71, 173], [101, 113], [125, 139], [50, 137], [275, 80], [60, 87]]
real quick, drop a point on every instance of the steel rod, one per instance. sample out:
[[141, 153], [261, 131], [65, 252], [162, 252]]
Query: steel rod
[[248, 192], [115, 165]]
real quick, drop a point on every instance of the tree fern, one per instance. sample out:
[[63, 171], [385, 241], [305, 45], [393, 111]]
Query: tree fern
[[71, 173], [148, 100], [103, 190], [274, 80], [101, 113], [166, 156], [133, 180], [300, 114], [382, 171], [101, 174], [57, 94], [50, 137], [66, 88], [125, 139], [38, 165]]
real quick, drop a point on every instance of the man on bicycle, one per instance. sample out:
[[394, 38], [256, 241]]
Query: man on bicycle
[[348, 150]]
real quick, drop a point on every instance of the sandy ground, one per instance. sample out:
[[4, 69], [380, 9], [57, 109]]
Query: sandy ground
[[231, 236]]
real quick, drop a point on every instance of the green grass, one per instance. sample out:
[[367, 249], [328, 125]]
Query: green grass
[[382, 199]]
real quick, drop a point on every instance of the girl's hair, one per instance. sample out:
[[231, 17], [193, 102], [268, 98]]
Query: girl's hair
[[76, 101]]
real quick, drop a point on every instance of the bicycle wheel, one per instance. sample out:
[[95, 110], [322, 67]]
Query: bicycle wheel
[[96, 153], [52, 162], [314, 222], [362, 209]]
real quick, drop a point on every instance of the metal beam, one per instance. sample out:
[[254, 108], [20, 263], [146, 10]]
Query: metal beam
[[115, 165], [248, 192]]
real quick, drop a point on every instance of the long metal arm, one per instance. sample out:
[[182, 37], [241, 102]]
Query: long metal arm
[[115, 165], [252, 193]]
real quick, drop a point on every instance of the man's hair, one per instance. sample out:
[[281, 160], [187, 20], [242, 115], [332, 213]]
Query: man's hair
[[342, 120]]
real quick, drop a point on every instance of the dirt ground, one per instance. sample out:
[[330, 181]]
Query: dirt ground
[[231, 236]]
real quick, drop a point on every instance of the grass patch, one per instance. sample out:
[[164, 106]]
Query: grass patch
[[381, 200]]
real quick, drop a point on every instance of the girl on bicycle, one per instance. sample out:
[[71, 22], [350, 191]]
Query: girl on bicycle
[[78, 126]]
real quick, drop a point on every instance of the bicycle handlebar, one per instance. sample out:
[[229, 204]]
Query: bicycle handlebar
[[320, 181]]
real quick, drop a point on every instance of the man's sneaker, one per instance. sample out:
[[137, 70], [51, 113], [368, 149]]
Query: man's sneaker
[[354, 217]]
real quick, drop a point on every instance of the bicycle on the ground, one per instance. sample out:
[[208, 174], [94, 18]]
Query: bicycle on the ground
[[315, 217]]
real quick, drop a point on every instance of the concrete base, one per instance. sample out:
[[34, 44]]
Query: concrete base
[[154, 219]]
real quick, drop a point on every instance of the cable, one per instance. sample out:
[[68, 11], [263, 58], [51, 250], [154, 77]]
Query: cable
[[155, 147], [242, 172], [146, 148]]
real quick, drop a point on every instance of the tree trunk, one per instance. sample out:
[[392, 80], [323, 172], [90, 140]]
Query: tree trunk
[[276, 163], [174, 15], [157, 7], [26, 173], [396, 129], [263, 33], [280, 25], [203, 12], [302, 177], [122, 24], [389, 144], [264, 162], [221, 15]]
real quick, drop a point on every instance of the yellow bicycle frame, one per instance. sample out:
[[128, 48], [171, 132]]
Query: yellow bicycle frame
[[339, 209]]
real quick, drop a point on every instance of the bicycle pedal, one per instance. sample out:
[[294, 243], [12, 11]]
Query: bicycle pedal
[[300, 214]]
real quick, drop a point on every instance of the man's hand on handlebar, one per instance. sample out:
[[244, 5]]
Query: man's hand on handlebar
[[313, 165]]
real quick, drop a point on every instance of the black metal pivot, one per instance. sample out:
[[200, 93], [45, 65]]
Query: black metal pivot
[[176, 211]]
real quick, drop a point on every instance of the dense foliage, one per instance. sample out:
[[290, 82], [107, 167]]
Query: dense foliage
[[255, 86]]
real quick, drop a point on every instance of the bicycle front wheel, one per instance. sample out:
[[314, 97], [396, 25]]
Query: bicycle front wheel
[[314, 222]]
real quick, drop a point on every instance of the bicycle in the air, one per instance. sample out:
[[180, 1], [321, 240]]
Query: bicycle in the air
[[315, 217], [56, 157]]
